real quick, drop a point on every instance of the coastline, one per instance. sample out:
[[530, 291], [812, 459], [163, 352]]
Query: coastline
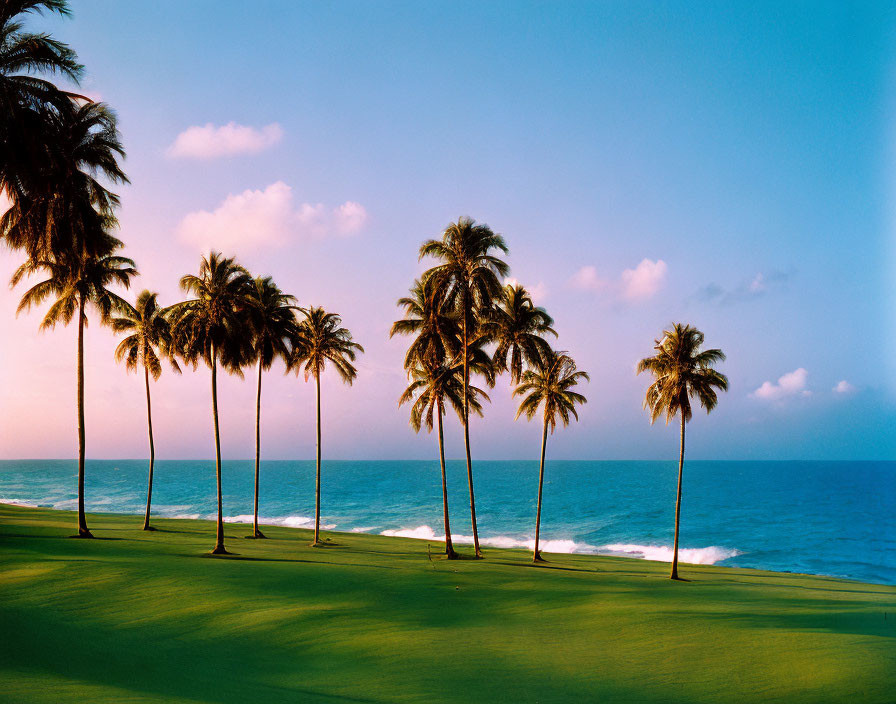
[[461, 540]]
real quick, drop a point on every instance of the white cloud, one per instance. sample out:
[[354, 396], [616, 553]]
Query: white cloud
[[644, 280], [790, 384], [637, 284], [844, 387], [255, 219], [210, 142]]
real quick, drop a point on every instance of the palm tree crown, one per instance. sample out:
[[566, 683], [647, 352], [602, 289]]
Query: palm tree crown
[[436, 330], [433, 387], [468, 273], [212, 326], [517, 326], [60, 207], [76, 283], [549, 385], [271, 319], [321, 339], [24, 56], [150, 335], [27, 99], [681, 370]]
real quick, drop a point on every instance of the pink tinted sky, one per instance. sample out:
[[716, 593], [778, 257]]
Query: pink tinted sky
[[730, 170]]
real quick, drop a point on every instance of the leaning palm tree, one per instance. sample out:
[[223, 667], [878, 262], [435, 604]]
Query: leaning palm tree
[[549, 383], [321, 339], [148, 336], [681, 370], [468, 274], [212, 328], [73, 284], [272, 321], [433, 386], [517, 327]]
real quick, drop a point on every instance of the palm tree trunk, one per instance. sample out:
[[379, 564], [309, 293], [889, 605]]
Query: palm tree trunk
[[317, 487], [674, 574], [83, 531], [152, 450], [476, 548], [536, 553], [449, 547], [257, 533], [219, 539]]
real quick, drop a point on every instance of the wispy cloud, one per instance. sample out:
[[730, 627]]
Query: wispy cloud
[[790, 384], [637, 284], [211, 142], [256, 219], [749, 289]]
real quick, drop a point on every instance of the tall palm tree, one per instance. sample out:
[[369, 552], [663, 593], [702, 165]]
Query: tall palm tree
[[469, 274], [517, 326], [433, 386], [681, 370], [149, 337], [26, 96], [212, 328], [73, 284], [321, 339], [549, 385], [272, 321]]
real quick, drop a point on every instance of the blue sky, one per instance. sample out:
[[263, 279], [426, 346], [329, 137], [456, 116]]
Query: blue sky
[[746, 153]]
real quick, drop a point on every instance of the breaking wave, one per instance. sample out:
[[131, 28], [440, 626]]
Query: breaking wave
[[663, 553]]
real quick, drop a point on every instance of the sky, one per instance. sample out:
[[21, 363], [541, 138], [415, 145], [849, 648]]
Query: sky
[[726, 165]]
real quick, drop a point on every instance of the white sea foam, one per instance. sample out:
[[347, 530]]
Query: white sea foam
[[288, 521], [17, 502], [663, 553], [500, 541], [365, 529]]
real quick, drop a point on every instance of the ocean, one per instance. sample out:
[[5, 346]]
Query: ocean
[[829, 518]]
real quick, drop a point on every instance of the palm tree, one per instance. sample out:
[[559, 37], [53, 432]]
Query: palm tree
[[73, 284], [681, 370], [468, 275], [321, 339], [517, 326], [62, 208], [271, 318], [212, 327], [150, 336], [436, 330], [26, 99], [549, 384], [433, 386]]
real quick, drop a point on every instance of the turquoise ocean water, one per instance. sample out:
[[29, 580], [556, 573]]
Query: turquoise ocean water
[[832, 518]]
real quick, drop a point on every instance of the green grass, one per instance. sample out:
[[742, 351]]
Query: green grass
[[147, 617]]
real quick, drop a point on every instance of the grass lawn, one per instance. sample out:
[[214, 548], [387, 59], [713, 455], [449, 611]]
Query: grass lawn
[[148, 617]]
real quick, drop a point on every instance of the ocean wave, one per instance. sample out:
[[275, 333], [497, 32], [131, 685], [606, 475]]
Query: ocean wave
[[425, 532], [17, 502], [663, 553], [288, 521]]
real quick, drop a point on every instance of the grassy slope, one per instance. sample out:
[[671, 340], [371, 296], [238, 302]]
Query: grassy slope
[[143, 617]]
